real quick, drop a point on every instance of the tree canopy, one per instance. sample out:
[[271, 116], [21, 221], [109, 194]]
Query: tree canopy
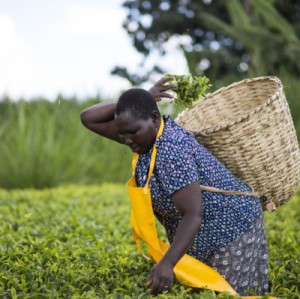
[[219, 37]]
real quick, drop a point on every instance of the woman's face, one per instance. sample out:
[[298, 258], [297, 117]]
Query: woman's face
[[139, 134]]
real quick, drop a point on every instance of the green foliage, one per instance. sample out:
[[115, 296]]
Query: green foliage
[[275, 20], [76, 242], [284, 249], [263, 35], [291, 89], [269, 38], [237, 14], [44, 144], [190, 89]]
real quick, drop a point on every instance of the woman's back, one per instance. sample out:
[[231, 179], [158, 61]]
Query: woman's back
[[181, 161]]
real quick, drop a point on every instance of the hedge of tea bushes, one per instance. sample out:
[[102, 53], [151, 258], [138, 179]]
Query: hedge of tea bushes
[[76, 242]]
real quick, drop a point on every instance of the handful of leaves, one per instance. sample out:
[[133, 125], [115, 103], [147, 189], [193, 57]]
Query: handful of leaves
[[190, 89]]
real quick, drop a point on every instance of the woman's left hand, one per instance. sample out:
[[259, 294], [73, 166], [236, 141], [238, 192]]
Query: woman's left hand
[[158, 90], [161, 277]]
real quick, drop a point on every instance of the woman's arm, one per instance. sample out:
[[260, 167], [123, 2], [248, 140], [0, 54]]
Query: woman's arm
[[188, 202], [99, 118]]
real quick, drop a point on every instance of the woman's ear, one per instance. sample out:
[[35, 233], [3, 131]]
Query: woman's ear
[[155, 116]]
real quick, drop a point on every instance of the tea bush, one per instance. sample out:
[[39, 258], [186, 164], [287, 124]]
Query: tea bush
[[75, 242]]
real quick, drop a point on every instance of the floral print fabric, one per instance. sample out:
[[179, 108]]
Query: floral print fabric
[[244, 262], [181, 161]]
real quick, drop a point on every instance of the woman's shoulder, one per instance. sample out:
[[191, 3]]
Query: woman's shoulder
[[175, 141], [175, 134]]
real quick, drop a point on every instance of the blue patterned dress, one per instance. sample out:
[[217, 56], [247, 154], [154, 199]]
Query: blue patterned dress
[[181, 160]]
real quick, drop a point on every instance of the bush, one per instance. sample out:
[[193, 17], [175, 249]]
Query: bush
[[76, 242]]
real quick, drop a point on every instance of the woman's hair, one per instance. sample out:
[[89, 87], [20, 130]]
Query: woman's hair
[[138, 101]]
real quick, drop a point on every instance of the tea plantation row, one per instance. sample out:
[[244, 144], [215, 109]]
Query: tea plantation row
[[76, 242]]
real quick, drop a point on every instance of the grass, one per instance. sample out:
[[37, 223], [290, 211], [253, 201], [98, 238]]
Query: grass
[[43, 144], [75, 242]]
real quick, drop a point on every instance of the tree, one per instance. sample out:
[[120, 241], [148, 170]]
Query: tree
[[223, 36], [266, 35]]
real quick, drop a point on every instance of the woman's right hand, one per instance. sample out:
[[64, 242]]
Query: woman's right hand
[[159, 88]]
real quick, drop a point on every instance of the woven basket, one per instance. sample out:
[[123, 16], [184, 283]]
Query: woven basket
[[249, 128]]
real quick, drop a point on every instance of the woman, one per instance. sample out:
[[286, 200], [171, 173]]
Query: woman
[[224, 232]]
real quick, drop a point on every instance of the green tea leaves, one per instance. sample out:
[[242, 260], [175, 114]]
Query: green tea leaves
[[190, 89], [78, 244]]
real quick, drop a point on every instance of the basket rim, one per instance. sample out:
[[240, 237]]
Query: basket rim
[[273, 97], [247, 80]]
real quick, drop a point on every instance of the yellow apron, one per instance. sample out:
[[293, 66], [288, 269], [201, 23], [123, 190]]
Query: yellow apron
[[189, 271]]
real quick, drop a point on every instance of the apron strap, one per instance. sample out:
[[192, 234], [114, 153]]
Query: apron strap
[[153, 157], [151, 167], [134, 162]]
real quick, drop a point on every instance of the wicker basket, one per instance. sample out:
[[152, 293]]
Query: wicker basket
[[249, 128]]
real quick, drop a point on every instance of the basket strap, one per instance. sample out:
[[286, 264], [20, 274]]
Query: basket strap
[[267, 204], [228, 192]]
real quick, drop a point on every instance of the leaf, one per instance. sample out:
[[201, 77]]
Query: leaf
[[190, 89], [251, 37], [13, 293], [237, 14], [275, 19]]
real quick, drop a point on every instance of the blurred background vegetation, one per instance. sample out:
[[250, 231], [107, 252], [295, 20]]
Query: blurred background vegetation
[[43, 143]]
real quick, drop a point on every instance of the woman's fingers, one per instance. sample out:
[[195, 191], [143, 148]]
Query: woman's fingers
[[161, 277], [155, 286], [163, 80], [166, 95], [149, 282], [167, 87], [164, 286], [150, 278], [159, 88], [160, 286], [162, 86]]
